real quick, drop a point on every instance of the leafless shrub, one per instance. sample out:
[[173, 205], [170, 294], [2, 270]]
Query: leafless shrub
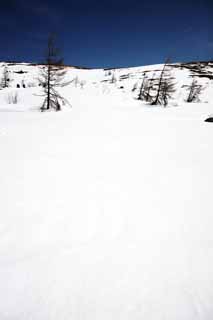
[[12, 97], [31, 85], [195, 90]]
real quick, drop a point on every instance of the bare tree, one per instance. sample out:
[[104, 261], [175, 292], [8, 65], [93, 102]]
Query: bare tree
[[140, 95], [135, 86], [113, 79], [165, 86], [146, 89], [150, 88], [75, 81], [168, 88], [52, 76], [194, 91], [5, 78], [12, 98]]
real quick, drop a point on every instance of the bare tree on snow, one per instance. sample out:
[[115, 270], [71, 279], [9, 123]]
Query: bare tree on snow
[[195, 90], [165, 86], [5, 78], [52, 77]]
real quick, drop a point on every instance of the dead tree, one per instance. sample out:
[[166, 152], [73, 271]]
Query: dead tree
[[150, 87], [140, 95], [75, 81], [165, 86], [135, 87], [194, 91], [146, 88], [113, 79], [168, 88], [51, 78], [5, 78]]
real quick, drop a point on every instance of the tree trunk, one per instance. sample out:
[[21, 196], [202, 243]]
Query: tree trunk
[[48, 88]]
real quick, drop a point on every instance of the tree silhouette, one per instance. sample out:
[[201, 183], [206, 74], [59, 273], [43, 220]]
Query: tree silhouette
[[51, 77], [5, 78]]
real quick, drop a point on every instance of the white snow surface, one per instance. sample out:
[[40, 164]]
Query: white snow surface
[[106, 207]]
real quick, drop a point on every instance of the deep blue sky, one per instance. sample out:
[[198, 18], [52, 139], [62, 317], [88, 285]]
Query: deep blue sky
[[105, 33]]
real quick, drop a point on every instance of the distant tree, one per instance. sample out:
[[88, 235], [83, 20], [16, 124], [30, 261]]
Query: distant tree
[[113, 78], [108, 73], [150, 87], [140, 95], [52, 76], [75, 81], [5, 78], [168, 88], [12, 97], [145, 89], [135, 86], [165, 86], [194, 91]]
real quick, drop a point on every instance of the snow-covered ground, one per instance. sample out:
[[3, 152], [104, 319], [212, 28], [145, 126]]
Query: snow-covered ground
[[106, 207]]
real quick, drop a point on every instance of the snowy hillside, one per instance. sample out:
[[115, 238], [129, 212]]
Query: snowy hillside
[[106, 208], [119, 83]]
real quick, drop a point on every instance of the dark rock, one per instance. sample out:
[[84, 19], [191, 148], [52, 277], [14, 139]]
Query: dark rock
[[210, 119]]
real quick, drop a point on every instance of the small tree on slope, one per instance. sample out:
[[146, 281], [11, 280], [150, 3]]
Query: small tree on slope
[[113, 79], [194, 91], [51, 77], [150, 88], [141, 92], [5, 78], [146, 88], [165, 86]]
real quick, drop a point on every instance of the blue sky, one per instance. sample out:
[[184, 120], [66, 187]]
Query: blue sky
[[100, 33]]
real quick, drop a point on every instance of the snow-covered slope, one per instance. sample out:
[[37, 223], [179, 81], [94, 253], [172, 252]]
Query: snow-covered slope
[[99, 82], [106, 208]]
